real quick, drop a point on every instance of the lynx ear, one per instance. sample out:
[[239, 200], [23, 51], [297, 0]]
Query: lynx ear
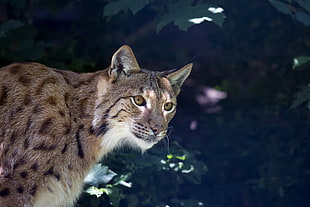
[[123, 63], [178, 77]]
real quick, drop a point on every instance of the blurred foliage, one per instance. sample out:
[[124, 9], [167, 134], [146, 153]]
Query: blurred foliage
[[302, 96], [297, 9], [8, 26], [157, 178], [181, 12], [257, 148], [300, 61]]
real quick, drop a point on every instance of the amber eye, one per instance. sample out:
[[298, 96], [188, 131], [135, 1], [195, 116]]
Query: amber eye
[[139, 100], [168, 106]]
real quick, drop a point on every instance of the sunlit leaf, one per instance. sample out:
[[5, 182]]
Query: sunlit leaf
[[181, 13], [98, 175], [180, 165], [183, 157], [122, 181], [184, 15], [98, 192], [298, 61], [172, 165], [170, 156], [186, 171]]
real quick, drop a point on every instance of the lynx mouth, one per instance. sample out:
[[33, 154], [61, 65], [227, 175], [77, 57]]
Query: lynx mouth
[[147, 138], [143, 137]]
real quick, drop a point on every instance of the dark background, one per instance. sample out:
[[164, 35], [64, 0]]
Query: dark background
[[235, 123]]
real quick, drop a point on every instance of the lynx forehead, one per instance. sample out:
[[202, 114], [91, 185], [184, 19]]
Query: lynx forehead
[[55, 125]]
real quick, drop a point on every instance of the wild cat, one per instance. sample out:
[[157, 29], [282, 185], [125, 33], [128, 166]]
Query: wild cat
[[56, 125]]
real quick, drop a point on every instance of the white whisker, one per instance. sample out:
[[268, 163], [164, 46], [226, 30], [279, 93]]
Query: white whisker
[[166, 142]]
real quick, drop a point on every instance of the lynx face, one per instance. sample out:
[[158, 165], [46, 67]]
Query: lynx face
[[141, 117]]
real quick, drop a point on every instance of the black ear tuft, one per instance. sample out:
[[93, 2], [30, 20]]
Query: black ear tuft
[[123, 62]]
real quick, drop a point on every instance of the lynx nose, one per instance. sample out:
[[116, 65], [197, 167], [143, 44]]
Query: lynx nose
[[157, 129]]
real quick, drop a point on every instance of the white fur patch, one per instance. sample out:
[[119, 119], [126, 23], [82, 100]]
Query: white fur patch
[[62, 196], [120, 135]]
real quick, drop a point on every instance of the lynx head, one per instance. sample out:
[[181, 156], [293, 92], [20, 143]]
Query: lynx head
[[134, 105]]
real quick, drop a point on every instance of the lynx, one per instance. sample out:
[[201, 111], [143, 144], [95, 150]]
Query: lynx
[[55, 125]]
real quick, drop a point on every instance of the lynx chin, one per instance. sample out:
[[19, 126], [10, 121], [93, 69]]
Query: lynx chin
[[55, 125]]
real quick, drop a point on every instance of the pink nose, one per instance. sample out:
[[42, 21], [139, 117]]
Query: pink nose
[[157, 129]]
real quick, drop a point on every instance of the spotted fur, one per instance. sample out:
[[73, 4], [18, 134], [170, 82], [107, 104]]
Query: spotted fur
[[55, 125]]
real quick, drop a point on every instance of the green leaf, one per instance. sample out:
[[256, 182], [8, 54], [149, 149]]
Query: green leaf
[[293, 9], [98, 175], [98, 192], [8, 26], [305, 4], [184, 15], [183, 157], [303, 17], [123, 5], [122, 180], [114, 196], [298, 61], [302, 96], [170, 156], [282, 7]]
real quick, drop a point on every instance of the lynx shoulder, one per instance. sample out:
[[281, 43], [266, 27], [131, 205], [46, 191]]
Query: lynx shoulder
[[55, 125]]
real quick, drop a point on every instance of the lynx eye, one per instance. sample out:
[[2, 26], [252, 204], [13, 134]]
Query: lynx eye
[[168, 106], [139, 100]]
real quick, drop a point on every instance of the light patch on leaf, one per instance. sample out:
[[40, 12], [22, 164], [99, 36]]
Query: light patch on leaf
[[216, 10], [98, 175], [298, 61], [199, 20], [183, 15], [98, 192], [186, 171]]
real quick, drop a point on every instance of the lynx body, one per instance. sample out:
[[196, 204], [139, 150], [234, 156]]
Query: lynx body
[[55, 125]]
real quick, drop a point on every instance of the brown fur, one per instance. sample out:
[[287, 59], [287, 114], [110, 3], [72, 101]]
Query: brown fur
[[55, 125]]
